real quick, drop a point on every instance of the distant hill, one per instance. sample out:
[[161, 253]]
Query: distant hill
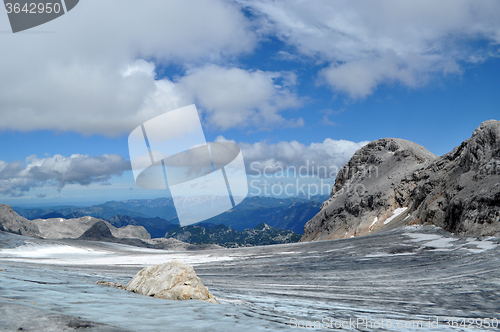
[[158, 215], [52, 215], [227, 237], [288, 214], [157, 227], [145, 208]]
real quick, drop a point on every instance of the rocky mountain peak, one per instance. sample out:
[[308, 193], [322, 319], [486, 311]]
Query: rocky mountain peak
[[365, 161], [391, 182], [482, 149]]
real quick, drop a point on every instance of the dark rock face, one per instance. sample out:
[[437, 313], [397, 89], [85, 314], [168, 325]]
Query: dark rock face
[[460, 192], [393, 182], [11, 222], [99, 231]]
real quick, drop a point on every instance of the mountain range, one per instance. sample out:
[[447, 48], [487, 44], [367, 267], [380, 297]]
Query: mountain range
[[205, 233], [158, 215], [388, 183]]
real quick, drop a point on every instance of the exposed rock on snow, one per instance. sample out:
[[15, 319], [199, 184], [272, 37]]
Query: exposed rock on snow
[[172, 281], [459, 191], [110, 284]]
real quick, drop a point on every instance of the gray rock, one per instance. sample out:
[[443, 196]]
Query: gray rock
[[11, 222], [172, 281], [459, 191], [368, 187], [110, 284], [97, 232], [60, 228], [130, 232]]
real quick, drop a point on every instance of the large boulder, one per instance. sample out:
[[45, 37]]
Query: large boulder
[[172, 281]]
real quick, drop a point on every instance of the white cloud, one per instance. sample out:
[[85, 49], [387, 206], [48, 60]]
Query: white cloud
[[85, 77], [328, 156], [16, 178], [365, 44], [237, 98], [99, 77]]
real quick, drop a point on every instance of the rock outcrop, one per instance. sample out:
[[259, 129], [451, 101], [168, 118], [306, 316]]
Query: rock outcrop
[[172, 281], [99, 231], [392, 182], [460, 192], [11, 222], [60, 228]]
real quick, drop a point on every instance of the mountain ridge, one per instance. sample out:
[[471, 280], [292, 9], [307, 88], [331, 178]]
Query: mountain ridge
[[393, 182]]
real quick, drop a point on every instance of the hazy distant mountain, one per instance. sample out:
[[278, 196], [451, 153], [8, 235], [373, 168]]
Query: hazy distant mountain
[[146, 208], [52, 215], [261, 234], [96, 211], [157, 227], [158, 215], [290, 213]]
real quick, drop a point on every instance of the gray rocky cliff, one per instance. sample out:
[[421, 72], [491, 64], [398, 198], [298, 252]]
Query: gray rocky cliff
[[11, 222], [392, 182], [460, 191]]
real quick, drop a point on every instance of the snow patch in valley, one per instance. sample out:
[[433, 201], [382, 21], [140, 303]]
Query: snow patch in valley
[[482, 245], [73, 255], [40, 251], [433, 240], [438, 241]]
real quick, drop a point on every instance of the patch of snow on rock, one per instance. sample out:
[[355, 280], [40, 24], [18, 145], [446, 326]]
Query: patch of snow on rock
[[396, 213]]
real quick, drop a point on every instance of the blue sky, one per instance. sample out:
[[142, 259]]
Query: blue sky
[[329, 76]]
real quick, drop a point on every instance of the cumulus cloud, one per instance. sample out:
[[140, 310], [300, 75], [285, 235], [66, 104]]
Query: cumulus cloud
[[101, 78], [363, 46], [234, 97], [85, 77], [17, 178], [327, 157]]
